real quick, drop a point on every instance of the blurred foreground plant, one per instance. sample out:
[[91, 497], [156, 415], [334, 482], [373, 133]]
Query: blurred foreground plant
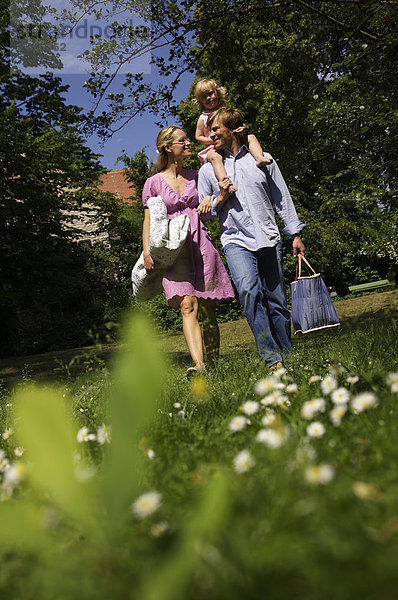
[[74, 527]]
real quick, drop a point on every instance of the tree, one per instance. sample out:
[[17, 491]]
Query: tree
[[125, 220], [317, 86], [50, 292], [315, 81]]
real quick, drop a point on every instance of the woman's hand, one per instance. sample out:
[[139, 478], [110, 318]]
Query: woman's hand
[[149, 263], [205, 206]]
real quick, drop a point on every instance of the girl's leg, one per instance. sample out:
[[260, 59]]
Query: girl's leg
[[218, 167], [211, 332], [191, 329], [257, 152]]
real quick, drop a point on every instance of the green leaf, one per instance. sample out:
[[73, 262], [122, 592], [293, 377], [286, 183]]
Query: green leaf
[[45, 431]]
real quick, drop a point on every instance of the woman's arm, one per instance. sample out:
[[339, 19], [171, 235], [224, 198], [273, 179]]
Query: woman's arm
[[149, 263], [200, 133]]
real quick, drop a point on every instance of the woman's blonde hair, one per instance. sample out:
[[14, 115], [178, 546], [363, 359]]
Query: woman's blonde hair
[[208, 85], [165, 138]]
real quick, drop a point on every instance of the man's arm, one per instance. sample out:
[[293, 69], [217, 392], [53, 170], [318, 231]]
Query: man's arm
[[284, 205]]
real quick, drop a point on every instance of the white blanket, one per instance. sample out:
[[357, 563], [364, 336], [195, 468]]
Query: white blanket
[[166, 239]]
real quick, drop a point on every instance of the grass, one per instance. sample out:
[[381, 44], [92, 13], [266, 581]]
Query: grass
[[235, 335], [267, 532]]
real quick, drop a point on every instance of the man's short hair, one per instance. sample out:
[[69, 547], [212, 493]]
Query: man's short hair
[[231, 118]]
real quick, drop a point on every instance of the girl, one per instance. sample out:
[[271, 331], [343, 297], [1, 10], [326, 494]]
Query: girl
[[209, 96]]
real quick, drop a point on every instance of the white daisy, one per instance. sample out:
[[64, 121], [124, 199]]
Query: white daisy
[[150, 453], [15, 473], [337, 413], [283, 401], [340, 396], [394, 387], [146, 504], [7, 433], [104, 434], [83, 435], [266, 385], [159, 529], [323, 473], [237, 423], [250, 407], [4, 465], [18, 451], [328, 384], [392, 378], [291, 388], [363, 402], [280, 372], [272, 399], [243, 461], [365, 491], [316, 429], [270, 419], [311, 407], [336, 370], [351, 379], [273, 438], [314, 379]]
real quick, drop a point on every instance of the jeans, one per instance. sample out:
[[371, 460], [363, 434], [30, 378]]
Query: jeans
[[259, 281]]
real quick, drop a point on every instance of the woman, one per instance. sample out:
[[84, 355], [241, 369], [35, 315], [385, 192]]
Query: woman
[[198, 278]]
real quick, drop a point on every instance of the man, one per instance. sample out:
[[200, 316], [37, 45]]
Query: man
[[249, 233]]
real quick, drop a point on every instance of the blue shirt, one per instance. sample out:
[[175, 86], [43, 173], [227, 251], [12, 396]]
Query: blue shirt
[[247, 217]]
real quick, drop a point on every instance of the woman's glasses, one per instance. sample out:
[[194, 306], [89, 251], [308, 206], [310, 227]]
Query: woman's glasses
[[182, 141]]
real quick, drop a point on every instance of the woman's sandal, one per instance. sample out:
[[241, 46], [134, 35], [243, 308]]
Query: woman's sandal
[[191, 371]]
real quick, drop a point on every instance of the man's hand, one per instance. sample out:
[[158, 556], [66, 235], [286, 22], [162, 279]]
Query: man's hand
[[298, 246]]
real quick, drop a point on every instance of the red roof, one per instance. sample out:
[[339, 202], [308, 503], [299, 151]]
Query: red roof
[[116, 182]]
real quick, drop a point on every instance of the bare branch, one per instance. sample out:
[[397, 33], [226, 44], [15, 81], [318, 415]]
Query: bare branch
[[335, 21]]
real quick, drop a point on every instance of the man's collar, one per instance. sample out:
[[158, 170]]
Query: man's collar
[[242, 151]]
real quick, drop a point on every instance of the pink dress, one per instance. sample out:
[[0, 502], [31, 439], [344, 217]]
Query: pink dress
[[198, 270], [203, 153]]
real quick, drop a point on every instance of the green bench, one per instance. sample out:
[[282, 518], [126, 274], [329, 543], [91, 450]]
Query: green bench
[[368, 287]]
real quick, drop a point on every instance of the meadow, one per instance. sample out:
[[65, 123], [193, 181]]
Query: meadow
[[130, 481]]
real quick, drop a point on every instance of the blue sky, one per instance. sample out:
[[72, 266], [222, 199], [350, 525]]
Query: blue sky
[[71, 37], [137, 134]]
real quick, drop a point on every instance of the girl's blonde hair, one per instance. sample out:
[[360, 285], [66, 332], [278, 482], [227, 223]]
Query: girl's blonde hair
[[208, 85], [165, 138]]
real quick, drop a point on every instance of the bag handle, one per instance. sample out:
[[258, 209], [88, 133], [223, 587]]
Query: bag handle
[[306, 265], [298, 268]]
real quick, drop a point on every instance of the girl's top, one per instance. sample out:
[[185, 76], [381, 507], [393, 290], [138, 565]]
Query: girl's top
[[198, 270], [206, 132]]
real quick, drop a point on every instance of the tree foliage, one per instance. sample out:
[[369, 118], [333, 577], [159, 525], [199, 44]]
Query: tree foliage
[[316, 83], [52, 290]]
